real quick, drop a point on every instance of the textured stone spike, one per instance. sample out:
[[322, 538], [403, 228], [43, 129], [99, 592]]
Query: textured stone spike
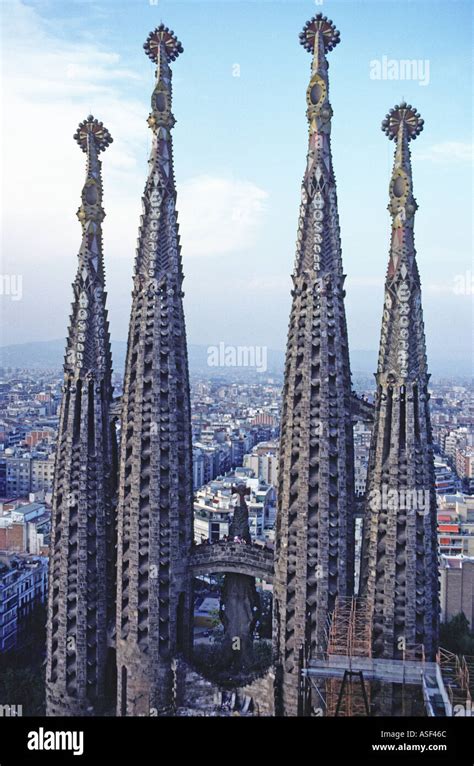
[[401, 501], [82, 568], [155, 510], [316, 489]]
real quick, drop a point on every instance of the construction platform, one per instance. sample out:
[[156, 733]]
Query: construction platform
[[342, 677]]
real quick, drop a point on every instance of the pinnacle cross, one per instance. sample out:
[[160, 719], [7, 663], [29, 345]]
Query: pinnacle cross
[[319, 36], [155, 258], [93, 138], [162, 47], [402, 124], [402, 289]]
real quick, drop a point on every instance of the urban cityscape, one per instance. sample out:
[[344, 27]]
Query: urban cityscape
[[235, 429], [193, 529]]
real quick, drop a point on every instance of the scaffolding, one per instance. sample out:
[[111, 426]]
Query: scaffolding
[[346, 680], [349, 636], [458, 676]]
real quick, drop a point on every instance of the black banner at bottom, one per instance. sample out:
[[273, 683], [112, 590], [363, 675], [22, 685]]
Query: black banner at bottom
[[365, 740]]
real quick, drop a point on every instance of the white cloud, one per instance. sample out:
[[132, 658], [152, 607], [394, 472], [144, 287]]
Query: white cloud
[[44, 96], [448, 151], [219, 215]]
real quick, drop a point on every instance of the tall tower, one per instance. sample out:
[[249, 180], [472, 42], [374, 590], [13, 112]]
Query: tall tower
[[81, 582], [399, 571], [315, 550], [155, 510]]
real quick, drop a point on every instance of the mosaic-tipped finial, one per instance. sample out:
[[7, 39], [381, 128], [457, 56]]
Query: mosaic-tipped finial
[[92, 127], [162, 35], [407, 114], [330, 34]]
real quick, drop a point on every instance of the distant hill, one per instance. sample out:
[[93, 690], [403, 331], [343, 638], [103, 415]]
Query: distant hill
[[49, 354]]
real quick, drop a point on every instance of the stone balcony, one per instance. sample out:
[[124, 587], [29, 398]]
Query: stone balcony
[[240, 558]]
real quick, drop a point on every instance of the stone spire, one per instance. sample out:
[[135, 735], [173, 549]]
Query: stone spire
[[314, 539], [155, 506], [399, 572], [81, 580]]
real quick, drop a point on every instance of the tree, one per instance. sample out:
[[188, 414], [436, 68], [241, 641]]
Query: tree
[[456, 637]]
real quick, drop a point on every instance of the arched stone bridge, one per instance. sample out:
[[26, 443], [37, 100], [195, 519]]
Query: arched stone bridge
[[239, 558]]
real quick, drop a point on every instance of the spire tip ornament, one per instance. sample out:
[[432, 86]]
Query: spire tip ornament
[[331, 35], [403, 113], [162, 35], [91, 126]]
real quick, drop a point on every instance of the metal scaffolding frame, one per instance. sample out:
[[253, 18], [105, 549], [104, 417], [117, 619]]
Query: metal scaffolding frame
[[458, 676], [339, 681]]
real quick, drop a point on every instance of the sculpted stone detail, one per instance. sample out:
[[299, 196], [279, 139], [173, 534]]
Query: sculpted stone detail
[[227, 556]]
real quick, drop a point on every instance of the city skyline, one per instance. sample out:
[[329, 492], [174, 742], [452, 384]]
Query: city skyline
[[240, 235]]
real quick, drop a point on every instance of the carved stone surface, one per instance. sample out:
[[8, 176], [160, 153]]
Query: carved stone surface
[[399, 570], [82, 561], [155, 513], [314, 558]]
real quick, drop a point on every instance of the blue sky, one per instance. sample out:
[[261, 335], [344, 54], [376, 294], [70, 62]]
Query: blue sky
[[240, 146]]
